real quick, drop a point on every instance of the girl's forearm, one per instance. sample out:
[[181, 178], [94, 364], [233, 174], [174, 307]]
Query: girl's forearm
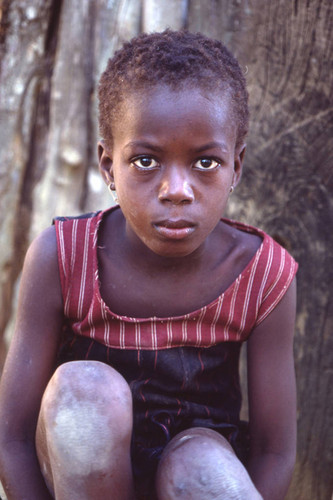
[[271, 474], [20, 472]]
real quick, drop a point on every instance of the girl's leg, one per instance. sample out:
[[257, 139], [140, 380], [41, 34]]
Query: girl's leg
[[84, 433], [199, 463]]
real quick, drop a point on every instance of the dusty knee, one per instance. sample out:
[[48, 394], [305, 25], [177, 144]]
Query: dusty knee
[[88, 380], [86, 411], [201, 463]]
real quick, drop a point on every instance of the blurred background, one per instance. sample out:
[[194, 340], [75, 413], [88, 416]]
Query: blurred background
[[52, 53]]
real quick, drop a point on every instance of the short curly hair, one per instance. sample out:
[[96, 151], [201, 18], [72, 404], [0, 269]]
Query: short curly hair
[[177, 59]]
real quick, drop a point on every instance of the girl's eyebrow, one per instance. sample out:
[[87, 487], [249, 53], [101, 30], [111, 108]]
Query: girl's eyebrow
[[143, 144], [147, 145], [212, 145]]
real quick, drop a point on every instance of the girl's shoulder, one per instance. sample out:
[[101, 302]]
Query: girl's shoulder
[[268, 260], [270, 272], [77, 234], [253, 233], [255, 240], [79, 223], [43, 248], [237, 247]]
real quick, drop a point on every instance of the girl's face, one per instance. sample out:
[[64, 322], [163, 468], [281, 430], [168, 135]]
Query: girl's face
[[173, 162]]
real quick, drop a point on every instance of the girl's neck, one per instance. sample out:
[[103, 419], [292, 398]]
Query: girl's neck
[[141, 256], [119, 237]]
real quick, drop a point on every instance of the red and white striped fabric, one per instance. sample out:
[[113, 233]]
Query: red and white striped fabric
[[231, 317]]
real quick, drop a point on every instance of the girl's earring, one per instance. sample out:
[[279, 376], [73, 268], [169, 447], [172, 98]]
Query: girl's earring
[[231, 189], [113, 192]]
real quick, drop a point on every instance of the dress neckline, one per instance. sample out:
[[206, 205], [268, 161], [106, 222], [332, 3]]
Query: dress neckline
[[193, 315]]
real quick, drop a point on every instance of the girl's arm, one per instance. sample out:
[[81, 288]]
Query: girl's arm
[[28, 368], [272, 400]]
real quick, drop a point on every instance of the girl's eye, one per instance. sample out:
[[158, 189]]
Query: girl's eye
[[145, 162], [206, 164]]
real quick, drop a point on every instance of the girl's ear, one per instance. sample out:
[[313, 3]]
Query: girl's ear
[[105, 164], [238, 165]]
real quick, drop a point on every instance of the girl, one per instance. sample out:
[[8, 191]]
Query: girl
[[144, 307]]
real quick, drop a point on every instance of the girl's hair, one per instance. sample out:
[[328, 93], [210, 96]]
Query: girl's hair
[[177, 59]]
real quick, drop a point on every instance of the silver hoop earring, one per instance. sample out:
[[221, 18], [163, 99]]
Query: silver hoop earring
[[231, 189], [113, 192]]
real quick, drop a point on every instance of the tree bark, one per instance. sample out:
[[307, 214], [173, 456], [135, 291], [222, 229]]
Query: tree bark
[[24, 82], [287, 189], [52, 54]]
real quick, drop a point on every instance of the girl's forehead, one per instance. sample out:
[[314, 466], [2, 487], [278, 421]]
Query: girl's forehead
[[191, 113], [174, 103], [181, 93]]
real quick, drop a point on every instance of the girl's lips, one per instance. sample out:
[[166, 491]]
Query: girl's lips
[[174, 229]]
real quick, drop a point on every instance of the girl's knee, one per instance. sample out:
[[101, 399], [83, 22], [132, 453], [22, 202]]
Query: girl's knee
[[84, 430], [201, 463], [86, 415], [89, 382]]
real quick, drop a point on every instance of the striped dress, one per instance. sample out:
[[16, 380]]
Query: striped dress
[[183, 370]]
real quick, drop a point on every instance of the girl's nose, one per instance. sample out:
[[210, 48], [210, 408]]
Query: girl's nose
[[176, 187]]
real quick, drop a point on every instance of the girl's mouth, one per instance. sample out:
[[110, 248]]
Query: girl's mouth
[[174, 229]]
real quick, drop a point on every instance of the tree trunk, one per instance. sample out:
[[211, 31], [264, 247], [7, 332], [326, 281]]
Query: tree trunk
[[52, 53]]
